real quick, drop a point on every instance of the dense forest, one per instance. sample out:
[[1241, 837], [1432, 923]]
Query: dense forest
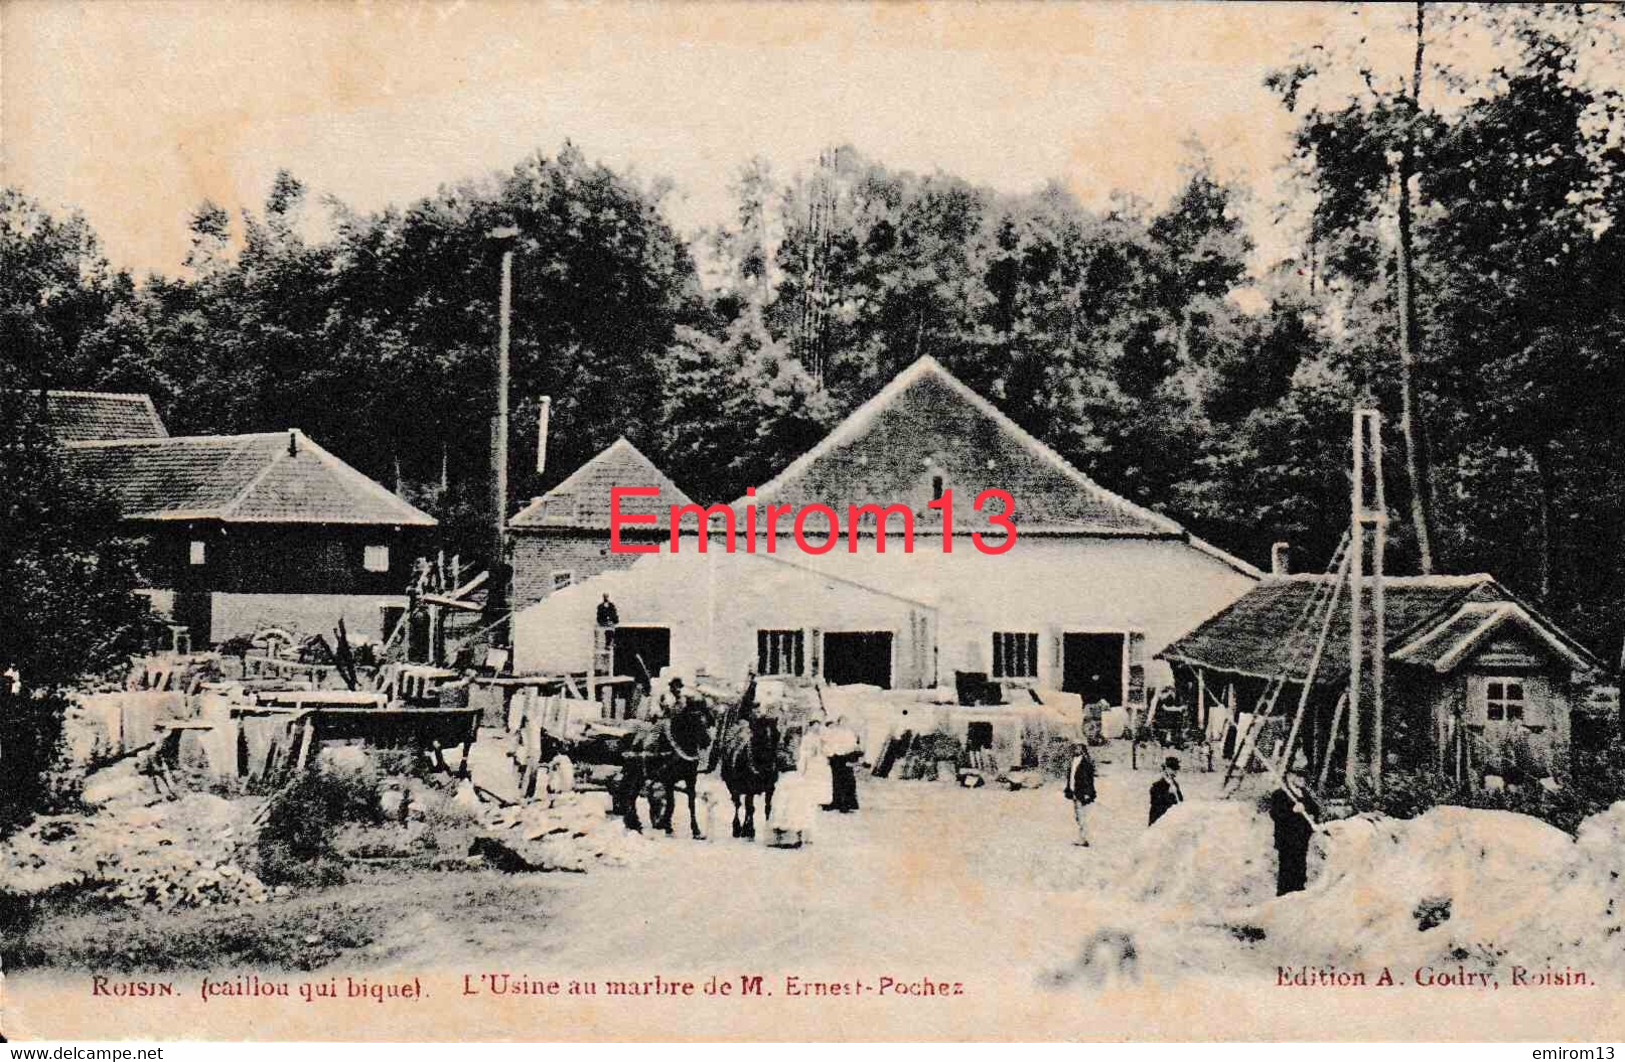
[[1460, 266]]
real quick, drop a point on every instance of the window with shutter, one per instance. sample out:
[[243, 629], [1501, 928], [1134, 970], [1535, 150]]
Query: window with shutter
[[780, 652]]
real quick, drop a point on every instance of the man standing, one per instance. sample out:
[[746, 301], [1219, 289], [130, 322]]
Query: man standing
[[1080, 789], [842, 748], [608, 614], [1294, 810], [1165, 791]]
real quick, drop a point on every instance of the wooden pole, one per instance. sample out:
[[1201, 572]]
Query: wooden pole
[[497, 590], [1378, 516], [1352, 770]]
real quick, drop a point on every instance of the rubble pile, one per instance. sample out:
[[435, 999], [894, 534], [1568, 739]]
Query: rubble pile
[[1457, 885], [169, 854], [1207, 855], [573, 833]]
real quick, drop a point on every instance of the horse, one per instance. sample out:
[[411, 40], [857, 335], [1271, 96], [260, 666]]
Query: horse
[[669, 754], [749, 763]]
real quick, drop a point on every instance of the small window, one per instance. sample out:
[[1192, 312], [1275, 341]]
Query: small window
[[780, 653], [1015, 655], [375, 558], [1503, 701], [936, 488], [563, 579], [199, 553]]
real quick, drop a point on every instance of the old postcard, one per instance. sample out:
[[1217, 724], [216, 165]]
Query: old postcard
[[757, 522]]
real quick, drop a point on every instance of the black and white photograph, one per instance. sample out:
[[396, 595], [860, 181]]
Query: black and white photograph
[[762, 522]]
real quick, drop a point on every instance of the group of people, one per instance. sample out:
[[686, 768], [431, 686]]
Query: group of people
[[825, 779], [1293, 811]]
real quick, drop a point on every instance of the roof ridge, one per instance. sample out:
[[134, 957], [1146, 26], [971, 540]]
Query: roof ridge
[[342, 468], [259, 477], [240, 437], [927, 365], [572, 482], [132, 395]]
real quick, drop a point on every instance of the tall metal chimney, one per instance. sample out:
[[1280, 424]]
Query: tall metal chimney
[[1281, 558], [543, 409]]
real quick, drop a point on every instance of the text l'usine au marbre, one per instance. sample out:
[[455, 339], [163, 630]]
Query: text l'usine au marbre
[[826, 534]]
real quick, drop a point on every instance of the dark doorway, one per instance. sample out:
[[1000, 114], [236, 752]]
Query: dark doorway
[[1092, 664], [640, 651], [852, 657], [978, 736]]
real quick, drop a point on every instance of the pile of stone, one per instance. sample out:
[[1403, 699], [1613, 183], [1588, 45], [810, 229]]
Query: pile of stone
[[140, 850], [571, 833]]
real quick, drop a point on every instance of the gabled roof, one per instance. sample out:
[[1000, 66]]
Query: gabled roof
[[272, 477], [1447, 644], [927, 424], [581, 502], [78, 416], [1421, 613]]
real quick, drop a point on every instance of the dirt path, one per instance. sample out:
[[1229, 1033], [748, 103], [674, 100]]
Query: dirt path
[[925, 877]]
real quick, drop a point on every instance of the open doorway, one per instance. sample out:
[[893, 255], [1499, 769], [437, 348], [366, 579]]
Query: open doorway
[[853, 657], [640, 652], [1092, 665]]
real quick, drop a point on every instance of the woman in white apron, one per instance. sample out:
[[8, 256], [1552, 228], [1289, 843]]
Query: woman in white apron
[[795, 804]]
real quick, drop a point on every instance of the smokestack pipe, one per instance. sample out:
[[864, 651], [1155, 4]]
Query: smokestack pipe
[[1281, 558], [544, 407]]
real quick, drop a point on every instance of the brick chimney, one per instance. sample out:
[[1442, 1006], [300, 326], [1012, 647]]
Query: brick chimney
[[1281, 558]]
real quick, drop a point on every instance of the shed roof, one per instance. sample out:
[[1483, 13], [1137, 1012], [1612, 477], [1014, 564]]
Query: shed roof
[[1428, 619], [1251, 636], [271, 477], [78, 416], [581, 502], [1447, 644]]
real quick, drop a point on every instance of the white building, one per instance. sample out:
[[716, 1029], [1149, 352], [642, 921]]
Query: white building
[[1092, 589]]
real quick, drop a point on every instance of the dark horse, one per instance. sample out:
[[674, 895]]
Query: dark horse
[[667, 754], [749, 763]]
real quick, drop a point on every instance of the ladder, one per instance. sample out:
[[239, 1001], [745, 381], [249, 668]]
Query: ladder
[[1305, 644]]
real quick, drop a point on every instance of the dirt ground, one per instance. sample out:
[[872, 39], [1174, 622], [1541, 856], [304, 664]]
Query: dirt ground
[[927, 883], [926, 874]]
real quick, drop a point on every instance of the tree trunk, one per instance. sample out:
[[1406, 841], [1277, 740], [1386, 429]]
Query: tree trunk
[[1410, 422], [1547, 486]]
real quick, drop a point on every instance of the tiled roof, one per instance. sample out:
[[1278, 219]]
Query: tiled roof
[[78, 416], [274, 477], [582, 501], [927, 425], [1251, 636]]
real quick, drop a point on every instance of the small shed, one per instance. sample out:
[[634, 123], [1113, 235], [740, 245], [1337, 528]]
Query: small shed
[[1476, 682]]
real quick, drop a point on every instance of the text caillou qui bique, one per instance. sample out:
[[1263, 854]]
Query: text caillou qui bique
[[825, 533]]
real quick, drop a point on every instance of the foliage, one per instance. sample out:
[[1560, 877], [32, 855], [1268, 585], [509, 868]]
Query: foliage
[[1142, 343], [296, 844], [67, 606]]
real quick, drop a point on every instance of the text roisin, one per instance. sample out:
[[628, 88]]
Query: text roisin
[[758, 523]]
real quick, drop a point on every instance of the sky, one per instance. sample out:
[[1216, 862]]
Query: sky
[[135, 112]]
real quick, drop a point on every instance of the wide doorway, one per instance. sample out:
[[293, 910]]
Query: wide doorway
[[858, 657], [640, 651], [1092, 665]]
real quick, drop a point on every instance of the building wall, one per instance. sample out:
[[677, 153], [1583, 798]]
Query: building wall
[[1160, 589], [280, 558], [234, 614], [942, 609], [538, 554]]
